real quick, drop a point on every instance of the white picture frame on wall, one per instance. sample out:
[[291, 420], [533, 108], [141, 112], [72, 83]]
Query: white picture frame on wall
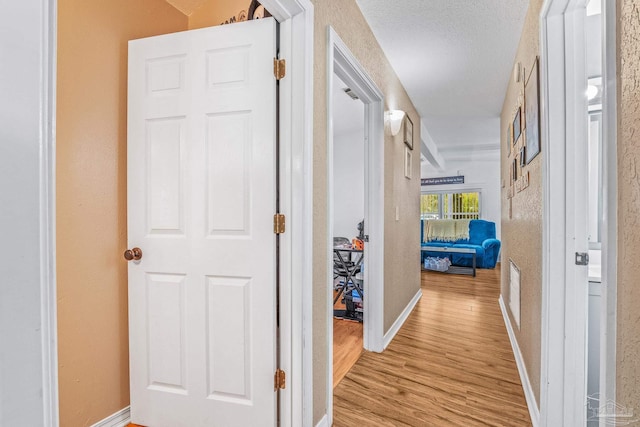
[[408, 160]]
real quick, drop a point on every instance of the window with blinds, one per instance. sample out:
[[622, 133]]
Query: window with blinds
[[450, 205]]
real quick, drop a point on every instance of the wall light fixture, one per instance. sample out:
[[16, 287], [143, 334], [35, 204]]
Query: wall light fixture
[[393, 121]]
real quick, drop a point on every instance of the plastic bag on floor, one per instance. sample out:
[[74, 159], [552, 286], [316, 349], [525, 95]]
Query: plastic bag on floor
[[437, 264]]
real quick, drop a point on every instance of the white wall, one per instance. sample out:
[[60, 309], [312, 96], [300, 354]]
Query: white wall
[[348, 162], [348, 182], [26, 380], [481, 172]]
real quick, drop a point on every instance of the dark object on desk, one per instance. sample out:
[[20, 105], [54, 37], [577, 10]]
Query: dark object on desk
[[340, 241], [361, 230]]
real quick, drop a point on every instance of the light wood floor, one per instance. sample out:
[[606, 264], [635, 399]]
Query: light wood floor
[[347, 347], [451, 364]]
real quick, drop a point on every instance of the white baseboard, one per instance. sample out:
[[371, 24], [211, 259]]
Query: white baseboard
[[324, 421], [393, 330], [534, 411], [122, 418]]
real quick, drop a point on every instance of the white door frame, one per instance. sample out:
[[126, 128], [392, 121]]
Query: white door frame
[[28, 199], [296, 202], [564, 289], [296, 18], [341, 62], [563, 346], [609, 224]]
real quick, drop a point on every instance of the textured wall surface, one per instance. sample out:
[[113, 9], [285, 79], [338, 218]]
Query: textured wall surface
[[628, 339], [522, 233], [402, 271], [93, 345]]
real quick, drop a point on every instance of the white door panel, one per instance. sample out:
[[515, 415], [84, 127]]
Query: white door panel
[[201, 199]]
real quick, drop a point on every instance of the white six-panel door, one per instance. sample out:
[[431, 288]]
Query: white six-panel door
[[201, 199]]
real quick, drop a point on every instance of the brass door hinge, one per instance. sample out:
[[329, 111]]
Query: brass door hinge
[[278, 223], [279, 68], [279, 381]]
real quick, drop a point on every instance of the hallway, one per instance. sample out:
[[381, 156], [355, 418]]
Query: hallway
[[451, 364]]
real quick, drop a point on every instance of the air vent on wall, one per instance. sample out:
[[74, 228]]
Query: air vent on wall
[[351, 94]]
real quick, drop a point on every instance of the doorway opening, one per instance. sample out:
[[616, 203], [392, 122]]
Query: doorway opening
[[345, 71], [348, 228], [579, 175]]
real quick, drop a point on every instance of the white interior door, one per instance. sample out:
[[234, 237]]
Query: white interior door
[[201, 199]]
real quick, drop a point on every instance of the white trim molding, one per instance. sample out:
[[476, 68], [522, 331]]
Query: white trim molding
[[393, 330], [324, 422], [29, 372], [529, 395], [48, 301], [609, 224], [296, 202], [122, 418], [564, 226]]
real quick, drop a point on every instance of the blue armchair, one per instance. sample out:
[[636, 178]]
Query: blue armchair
[[482, 238]]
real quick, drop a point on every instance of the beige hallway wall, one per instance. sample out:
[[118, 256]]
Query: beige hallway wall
[[402, 238], [628, 331], [522, 233], [91, 198]]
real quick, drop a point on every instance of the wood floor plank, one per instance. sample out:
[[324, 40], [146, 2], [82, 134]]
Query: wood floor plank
[[451, 364], [347, 347], [347, 344]]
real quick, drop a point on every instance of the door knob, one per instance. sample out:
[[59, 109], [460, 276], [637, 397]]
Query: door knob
[[133, 254]]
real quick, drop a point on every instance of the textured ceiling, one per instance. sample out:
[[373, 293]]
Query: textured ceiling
[[186, 6], [454, 58]]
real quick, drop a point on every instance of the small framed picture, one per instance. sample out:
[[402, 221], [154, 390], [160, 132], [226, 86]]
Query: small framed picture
[[517, 125], [532, 113], [408, 157], [408, 132]]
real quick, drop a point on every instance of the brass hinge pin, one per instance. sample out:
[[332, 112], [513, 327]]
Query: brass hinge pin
[[279, 68], [279, 381], [278, 223]]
